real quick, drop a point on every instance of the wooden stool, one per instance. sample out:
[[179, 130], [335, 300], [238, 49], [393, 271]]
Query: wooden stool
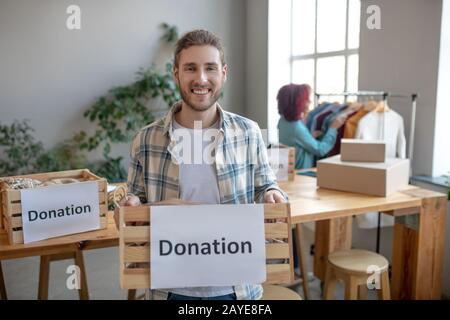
[[3, 295], [274, 292], [354, 267], [44, 272]]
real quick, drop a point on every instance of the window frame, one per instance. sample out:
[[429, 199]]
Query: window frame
[[317, 55]]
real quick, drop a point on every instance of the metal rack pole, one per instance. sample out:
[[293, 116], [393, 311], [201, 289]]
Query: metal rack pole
[[413, 126], [377, 248]]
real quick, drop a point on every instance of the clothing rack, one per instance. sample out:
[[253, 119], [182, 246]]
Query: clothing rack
[[384, 95]]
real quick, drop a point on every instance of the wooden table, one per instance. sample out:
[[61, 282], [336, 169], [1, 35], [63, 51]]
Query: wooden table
[[57, 249], [418, 248]]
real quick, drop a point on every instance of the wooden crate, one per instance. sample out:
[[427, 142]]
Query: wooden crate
[[291, 170], [11, 208], [134, 245], [291, 163]]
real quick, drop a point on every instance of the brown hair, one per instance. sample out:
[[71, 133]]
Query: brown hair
[[198, 38]]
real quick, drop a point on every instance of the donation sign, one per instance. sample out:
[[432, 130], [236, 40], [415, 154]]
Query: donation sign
[[207, 245], [55, 211]]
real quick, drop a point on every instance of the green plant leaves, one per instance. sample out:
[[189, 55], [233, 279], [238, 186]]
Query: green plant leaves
[[20, 147], [170, 33]]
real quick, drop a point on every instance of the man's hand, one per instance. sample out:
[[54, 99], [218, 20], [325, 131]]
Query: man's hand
[[274, 196], [130, 200]]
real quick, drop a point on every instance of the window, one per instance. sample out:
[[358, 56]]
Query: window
[[325, 42]]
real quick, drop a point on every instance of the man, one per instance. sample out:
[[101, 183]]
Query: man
[[234, 170]]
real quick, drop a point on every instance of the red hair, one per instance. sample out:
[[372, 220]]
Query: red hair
[[293, 100]]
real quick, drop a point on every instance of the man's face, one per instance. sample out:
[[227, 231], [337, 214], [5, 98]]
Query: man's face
[[200, 76]]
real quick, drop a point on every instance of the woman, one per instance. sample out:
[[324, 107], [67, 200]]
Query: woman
[[293, 103]]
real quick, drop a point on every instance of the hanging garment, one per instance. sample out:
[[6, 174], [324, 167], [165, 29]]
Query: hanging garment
[[330, 118], [320, 120], [327, 118], [352, 123], [386, 126], [322, 123], [313, 113], [316, 114], [340, 134]]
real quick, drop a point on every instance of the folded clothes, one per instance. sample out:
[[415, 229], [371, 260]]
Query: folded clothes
[[27, 183], [307, 173], [20, 183]]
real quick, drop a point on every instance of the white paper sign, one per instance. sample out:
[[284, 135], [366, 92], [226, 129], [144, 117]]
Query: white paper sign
[[207, 245], [55, 211], [279, 162]]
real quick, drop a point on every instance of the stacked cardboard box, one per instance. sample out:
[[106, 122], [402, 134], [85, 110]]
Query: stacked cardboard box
[[363, 168]]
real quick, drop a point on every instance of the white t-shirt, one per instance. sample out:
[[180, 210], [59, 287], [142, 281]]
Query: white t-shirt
[[386, 126], [198, 183]]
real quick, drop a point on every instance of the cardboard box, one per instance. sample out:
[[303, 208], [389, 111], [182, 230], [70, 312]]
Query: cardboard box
[[363, 150], [378, 179]]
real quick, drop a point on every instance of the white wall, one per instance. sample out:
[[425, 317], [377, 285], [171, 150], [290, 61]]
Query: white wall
[[51, 75], [403, 56], [257, 61], [441, 156], [280, 48]]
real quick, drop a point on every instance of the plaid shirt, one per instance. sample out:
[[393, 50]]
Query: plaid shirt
[[243, 171]]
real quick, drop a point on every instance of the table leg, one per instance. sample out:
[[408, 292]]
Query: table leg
[[331, 235], [131, 294], [418, 254], [44, 271], [79, 261], [300, 246], [3, 295]]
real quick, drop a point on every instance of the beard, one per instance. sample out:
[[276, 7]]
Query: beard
[[188, 98]]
